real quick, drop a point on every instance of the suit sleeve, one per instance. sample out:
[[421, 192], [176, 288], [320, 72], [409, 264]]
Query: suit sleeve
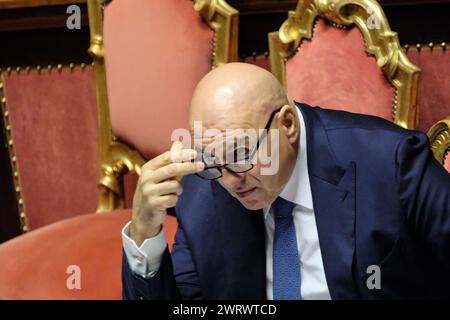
[[176, 278], [424, 187]]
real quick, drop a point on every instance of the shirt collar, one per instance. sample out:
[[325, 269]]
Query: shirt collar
[[298, 188]]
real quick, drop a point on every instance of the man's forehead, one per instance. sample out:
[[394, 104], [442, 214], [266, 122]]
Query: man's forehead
[[224, 136]]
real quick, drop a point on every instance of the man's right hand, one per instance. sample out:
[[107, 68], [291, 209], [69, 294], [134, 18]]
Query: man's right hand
[[158, 188]]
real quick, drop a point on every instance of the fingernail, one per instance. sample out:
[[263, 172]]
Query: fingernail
[[200, 166]]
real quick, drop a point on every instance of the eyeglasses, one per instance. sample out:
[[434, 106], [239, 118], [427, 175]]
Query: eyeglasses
[[244, 165]]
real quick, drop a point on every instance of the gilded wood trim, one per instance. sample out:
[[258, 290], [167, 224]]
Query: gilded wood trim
[[12, 156], [116, 157], [46, 68], [380, 41], [223, 19], [439, 135], [430, 46]]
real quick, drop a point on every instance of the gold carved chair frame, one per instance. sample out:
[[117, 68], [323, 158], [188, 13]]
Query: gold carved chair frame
[[439, 135], [116, 157], [379, 40]]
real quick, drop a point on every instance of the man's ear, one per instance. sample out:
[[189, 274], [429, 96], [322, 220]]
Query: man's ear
[[289, 123]]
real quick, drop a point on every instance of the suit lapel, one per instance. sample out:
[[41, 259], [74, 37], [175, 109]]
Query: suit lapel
[[333, 192]]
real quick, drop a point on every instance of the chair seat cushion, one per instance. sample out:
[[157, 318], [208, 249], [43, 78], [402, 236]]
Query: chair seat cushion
[[34, 265]]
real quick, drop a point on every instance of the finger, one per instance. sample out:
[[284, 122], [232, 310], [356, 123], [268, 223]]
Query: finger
[[164, 202], [175, 151], [163, 188], [176, 169], [166, 158], [178, 154]]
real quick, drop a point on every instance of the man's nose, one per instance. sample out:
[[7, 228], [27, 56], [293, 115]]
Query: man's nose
[[234, 181]]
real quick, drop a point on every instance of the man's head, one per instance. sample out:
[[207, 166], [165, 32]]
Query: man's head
[[242, 96]]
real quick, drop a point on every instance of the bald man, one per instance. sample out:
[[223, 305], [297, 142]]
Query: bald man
[[356, 208]]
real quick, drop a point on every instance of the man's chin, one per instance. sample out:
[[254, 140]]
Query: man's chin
[[251, 203]]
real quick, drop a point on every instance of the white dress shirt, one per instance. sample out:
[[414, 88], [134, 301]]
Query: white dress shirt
[[146, 259]]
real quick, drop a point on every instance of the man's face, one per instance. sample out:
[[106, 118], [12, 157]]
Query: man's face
[[253, 189], [272, 162]]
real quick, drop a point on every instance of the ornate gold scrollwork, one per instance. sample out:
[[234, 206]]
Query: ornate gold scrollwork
[[116, 157], [439, 135], [380, 41]]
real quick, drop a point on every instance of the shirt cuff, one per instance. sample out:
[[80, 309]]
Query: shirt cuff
[[146, 259]]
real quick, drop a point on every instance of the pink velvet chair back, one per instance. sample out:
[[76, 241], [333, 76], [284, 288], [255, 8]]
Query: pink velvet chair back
[[51, 122], [434, 97], [155, 52], [331, 56], [333, 70], [149, 56]]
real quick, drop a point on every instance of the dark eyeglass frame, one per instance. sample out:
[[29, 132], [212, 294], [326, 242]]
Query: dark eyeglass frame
[[249, 157]]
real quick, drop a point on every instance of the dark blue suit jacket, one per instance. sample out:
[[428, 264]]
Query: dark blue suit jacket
[[380, 198]]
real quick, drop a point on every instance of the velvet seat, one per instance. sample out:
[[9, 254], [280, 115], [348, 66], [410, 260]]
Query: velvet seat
[[38, 265]]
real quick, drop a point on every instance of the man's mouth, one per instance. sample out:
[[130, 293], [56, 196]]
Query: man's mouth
[[244, 194]]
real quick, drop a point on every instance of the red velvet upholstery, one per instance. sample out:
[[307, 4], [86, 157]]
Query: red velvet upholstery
[[333, 70], [434, 90], [33, 266], [54, 127], [260, 61], [129, 185], [155, 52]]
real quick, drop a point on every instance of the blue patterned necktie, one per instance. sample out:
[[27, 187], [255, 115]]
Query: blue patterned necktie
[[286, 263]]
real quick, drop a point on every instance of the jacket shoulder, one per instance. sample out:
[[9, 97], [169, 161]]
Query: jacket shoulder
[[339, 119], [352, 133]]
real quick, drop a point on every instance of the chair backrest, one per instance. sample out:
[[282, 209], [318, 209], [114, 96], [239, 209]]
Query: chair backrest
[[51, 127], [262, 61], [342, 54], [439, 135], [149, 55], [434, 91]]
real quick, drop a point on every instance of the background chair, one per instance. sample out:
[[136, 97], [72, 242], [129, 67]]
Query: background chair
[[144, 82], [439, 135], [160, 72], [262, 61], [51, 125], [342, 54], [434, 93]]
